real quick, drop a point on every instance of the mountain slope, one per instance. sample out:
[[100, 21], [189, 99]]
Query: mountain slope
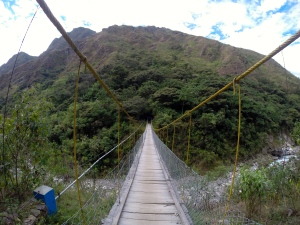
[[143, 47], [77, 35], [22, 58], [160, 73]]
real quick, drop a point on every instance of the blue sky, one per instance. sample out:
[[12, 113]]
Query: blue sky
[[259, 25]]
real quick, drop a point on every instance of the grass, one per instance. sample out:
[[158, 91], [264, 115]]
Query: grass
[[68, 206]]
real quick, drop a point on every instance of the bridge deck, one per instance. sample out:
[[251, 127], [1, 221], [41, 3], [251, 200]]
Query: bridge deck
[[149, 200]]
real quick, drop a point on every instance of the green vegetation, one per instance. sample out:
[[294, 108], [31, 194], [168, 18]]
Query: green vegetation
[[271, 194], [156, 73], [296, 133], [25, 142]]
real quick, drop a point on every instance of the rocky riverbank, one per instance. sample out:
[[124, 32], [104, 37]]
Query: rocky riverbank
[[29, 213]]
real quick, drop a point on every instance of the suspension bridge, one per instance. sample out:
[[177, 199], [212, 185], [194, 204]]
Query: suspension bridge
[[149, 198], [151, 185], [157, 188]]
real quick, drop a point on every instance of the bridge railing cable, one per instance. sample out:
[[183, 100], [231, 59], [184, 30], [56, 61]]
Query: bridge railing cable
[[226, 87], [203, 201], [97, 161], [101, 194]]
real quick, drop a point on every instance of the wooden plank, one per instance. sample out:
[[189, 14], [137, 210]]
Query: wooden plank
[[150, 208], [149, 183], [125, 221], [149, 197], [147, 189], [151, 216], [149, 174], [145, 199], [149, 201]]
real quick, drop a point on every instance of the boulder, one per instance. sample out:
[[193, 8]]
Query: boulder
[[30, 220]]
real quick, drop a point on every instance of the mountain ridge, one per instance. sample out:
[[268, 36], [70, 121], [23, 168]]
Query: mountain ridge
[[209, 53], [77, 35], [22, 58]]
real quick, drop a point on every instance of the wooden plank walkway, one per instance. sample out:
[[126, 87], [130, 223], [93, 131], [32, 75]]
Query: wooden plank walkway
[[150, 200]]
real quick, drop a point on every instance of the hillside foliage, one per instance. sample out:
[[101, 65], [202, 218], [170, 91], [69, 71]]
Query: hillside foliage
[[156, 73]]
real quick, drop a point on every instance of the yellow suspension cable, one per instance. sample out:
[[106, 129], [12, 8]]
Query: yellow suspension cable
[[119, 128], [189, 139], [167, 137], [119, 185], [237, 150], [132, 138], [74, 144], [173, 141]]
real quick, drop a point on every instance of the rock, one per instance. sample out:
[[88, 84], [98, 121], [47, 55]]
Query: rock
[[265, 150], [213, 202], [297, 149], [226, 222], [35, 212], [42, 207], [7, 221], [277, 152], [219, 182], [290, 212], [30, 220], [288, 145], [10, 216]]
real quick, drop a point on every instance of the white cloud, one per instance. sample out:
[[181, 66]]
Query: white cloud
[[242, 23], [269, 5], [291, 59]]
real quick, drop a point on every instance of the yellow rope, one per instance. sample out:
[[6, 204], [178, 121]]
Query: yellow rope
[[74, 144], [233, 85], [119, 184], [119, 135], [237, 150], [238, 78], [133, 139], [173, 141], [167, 137], [189, 139]]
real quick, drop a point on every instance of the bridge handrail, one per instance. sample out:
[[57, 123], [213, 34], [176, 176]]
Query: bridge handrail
[[72, 183], [93, 206], [199, 198]]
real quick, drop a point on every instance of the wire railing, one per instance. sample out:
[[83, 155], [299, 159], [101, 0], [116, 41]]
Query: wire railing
[[101, 194], [200, 199]]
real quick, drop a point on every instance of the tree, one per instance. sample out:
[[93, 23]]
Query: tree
[[25, 145], [166, 96], [296, 133]]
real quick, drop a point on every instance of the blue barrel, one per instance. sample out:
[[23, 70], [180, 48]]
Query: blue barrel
[[46, 194]]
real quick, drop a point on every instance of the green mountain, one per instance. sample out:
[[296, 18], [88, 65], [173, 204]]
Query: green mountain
[[22, 58], [158, 73]]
